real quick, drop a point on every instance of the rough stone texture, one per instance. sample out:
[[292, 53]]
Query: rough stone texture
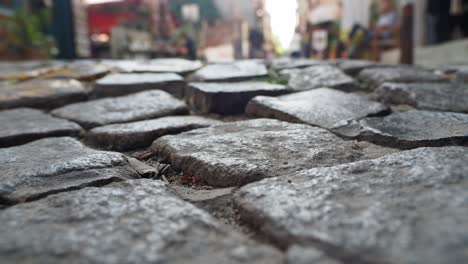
[[322, 107], [371, 79], [141, 134], [410, 129], [44, 94], [168, 65], [231, 71], [83, 70], [242, 152], [308, 255], [320, 76], [123, 84], [228, 98], [138, 221], [290, 63], [135, 107], [354, 67], [54, 165], [409, 207], [430, 96], [23, 125], [27, 70]]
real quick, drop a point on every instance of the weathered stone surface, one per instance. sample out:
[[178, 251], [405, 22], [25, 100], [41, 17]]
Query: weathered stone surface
[[320, 76], [354, 67], [44, 94], [27, 70], [23, 125], [83, 70], [231, 71], [408, 207], [430, 96], [138, 221], [54, 165], [308, 255], [410, 129], [371, 79], [228, 98], [135, 107], [242, 152], [291, 63], [321, 107], [123, 84], [167, 65], [141, 134]]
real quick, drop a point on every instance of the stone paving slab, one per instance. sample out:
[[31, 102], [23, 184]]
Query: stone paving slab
[[371, 79], [354, 67], [321, 107], [231, 71], [126, 83], [228, 98], [238, 153], [290, 63], [134, 107], [22, 125], [415, 128], [27, 70], [308, 255], [54, 165], [167, 65], [318, 77], [83, 70], [409, 207], [138, 221], [131, 136], [43, 94], [430, 96]]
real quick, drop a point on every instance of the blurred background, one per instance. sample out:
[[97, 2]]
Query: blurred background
[[392, 31]]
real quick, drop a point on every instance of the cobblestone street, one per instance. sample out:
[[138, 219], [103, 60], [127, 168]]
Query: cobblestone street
[[286, 161]]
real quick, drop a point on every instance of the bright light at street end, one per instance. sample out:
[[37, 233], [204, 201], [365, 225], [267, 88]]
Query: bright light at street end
[[90, 2], [283, 20]]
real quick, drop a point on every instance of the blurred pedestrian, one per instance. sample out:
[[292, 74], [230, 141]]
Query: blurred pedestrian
[[191, 47], [296, 44]]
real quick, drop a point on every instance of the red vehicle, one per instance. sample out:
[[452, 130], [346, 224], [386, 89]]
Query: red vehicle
[[103, 17]]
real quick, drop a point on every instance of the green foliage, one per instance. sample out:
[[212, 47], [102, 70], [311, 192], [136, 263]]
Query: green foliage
[[25, 31], [274, 77], [208, 9]]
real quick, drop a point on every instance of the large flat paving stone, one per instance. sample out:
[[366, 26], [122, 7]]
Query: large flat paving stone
[[135, 107], [430, 96], [297, 254], [318, 77], [21, 71], [354, 67], [22, 125], [228, 98], [321, 107], [139, 221], [126, 83], [83, 70], [408, 207], [131, 136], [292, 63], [166, 65], [42, 93], [415, 128], [231, 71], [54, 165], [371, 79], [242, 152]]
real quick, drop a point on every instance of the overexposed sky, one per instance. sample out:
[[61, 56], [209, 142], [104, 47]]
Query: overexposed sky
[[283, 19]]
